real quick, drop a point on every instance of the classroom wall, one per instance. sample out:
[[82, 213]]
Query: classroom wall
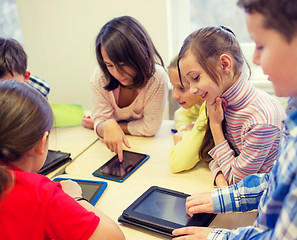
[[59, 39]]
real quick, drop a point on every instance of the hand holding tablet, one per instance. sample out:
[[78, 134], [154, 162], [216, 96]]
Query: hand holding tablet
[[119, 171], [91, 190], [162, 210]]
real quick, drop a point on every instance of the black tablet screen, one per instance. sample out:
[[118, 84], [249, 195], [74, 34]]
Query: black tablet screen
[[53, 156], [164, 206], [89, 190], [115, 168]]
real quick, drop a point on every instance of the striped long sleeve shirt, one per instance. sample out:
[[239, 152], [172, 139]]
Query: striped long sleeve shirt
[[254, 121], [275, 195]]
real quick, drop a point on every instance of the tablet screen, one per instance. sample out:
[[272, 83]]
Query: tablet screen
[[116, 170], [162, 210], [168, 207], [89, 189], [53, 156]]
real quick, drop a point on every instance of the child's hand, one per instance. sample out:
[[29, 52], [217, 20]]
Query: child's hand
[[216, 111], [71, 188], [177, 137], [199, 203], [189, 126], [114, 137], [87, 122], [191, 233], [220, 180]]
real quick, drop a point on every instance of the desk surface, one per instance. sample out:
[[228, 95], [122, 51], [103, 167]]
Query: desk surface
[[74, 140], [155, 171]]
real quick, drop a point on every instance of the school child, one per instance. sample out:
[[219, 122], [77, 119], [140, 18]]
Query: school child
[[13, 65], [31, 205], [183, 155], [130, 86], [272, 24], [244, 123]]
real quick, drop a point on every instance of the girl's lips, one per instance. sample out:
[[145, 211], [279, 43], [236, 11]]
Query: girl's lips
[[203, 95]]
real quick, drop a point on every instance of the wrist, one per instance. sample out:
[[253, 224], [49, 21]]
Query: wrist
[[80, 199]]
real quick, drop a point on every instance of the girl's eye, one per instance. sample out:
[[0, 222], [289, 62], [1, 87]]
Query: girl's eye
[[182, 89], [196, 78], [109, 66], [259, 48]]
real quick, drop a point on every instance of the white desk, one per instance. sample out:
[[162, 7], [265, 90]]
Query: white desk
[[155, 171], [74, 140]]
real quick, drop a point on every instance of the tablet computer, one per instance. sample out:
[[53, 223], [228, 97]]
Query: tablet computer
[[119, 171], [54, 160], [162, 210], [91, 190]]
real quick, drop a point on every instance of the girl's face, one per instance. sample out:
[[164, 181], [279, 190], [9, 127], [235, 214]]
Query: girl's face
[[124, 75], [184, 97], [277, 57], [197, 80]]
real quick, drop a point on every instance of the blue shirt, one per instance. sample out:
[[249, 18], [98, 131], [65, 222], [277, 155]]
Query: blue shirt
[[274, 194]]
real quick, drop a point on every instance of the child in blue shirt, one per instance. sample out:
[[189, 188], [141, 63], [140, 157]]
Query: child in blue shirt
[[272, 24]]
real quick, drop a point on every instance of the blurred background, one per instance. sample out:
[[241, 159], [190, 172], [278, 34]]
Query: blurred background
[[58, 36]]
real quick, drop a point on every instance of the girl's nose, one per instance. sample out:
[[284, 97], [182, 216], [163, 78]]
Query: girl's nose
[[256, 57], [175, 95], [193, 90]]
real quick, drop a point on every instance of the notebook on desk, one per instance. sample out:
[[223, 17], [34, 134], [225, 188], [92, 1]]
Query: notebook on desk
[[162, 210], [54, 160]]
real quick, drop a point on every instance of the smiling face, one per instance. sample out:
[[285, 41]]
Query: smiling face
[[184, 97], [124, 74], [197, 80], [275, 54]]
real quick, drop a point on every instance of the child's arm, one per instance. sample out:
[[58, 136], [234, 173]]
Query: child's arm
[[183, 117], [185, 154], [241, 197], [113, 136], [107, 228], [253, 155]]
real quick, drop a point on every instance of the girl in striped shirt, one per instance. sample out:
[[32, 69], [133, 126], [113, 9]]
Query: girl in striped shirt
[[245, 123]]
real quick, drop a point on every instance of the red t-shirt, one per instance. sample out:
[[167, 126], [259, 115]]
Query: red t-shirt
[[38, 208]]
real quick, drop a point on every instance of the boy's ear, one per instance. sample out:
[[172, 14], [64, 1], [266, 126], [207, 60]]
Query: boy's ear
[[39, 148], [27, 76], [226, 62]]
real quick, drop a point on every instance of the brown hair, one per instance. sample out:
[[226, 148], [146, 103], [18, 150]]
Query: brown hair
[[13, 58], [126, 41], [208, 44], [173, 63], [25, 115], [277, 14]]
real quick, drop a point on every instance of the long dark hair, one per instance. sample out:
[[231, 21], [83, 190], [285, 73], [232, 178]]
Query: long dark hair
[[208, 44], [126, 41], [25, 115]]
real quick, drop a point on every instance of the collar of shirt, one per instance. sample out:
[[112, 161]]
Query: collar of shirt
[[240, 94], [12, 167]]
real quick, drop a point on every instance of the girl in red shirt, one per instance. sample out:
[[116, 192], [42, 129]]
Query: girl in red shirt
[[31, 205]]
